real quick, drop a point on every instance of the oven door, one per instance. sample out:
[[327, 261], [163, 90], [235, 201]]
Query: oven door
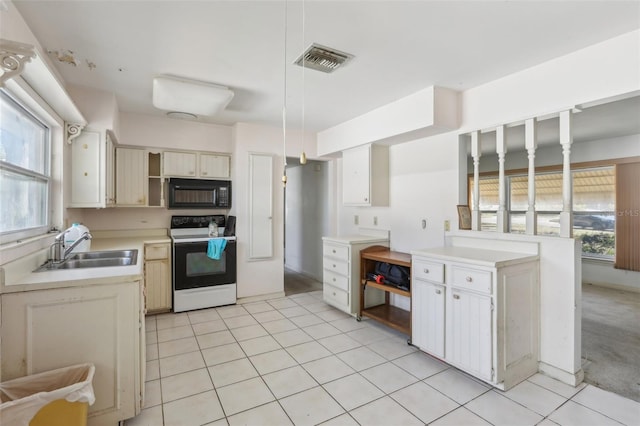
[[193, 269]]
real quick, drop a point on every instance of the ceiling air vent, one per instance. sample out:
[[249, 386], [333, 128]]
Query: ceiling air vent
[[322, 58]]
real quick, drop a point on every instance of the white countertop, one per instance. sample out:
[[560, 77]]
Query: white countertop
[[19, 275], [481, 257], [348, 239]]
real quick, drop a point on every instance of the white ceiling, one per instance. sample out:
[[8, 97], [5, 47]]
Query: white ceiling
[[400, 47]]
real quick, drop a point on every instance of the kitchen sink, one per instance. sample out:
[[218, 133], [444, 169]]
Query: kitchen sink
[[111, 254], [93, 259]]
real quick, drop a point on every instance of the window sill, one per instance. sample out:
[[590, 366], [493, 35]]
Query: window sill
[[597, 260], [17, 249]]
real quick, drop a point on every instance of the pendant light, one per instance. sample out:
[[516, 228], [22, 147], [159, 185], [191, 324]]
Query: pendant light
[[284, 104], [303, 155]]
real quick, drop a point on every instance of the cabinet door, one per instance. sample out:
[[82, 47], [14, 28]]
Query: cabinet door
[[49, 329], [260, 206], [157, 280], [87, 168], [356, 177], [469, 333], [214, 166], [179, 164], [427, 313], [131, 182]]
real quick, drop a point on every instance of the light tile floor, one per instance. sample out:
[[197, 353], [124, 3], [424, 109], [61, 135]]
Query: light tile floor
[[296, 360]]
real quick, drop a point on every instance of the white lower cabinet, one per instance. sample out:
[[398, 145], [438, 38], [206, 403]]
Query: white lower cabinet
[[427, 312], [157, 277], [478, 310], [341, 272], [102, 324], [469, 332]]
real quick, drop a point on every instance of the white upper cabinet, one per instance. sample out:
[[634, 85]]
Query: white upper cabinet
[[365, 176], [131, 182], [92, 170], [195, 165], [182, 164], [214, 166]]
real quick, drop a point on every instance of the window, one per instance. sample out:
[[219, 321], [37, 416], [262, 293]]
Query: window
[[24, 172], [593, 206]]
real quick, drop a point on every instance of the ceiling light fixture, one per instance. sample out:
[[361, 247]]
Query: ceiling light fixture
[[181, 115], [190, 96]]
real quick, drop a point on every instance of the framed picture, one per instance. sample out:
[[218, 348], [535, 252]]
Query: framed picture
[[464, 217]]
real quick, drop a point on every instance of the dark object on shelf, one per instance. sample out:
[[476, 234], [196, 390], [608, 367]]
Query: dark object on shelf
[[395, 275]]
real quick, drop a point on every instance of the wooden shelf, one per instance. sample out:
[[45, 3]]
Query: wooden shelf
[[396, 318], [388, 288], [387, 314]]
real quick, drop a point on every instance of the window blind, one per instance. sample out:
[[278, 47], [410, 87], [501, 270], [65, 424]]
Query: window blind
[[628, 217]]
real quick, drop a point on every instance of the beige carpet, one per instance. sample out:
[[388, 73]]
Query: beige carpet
[[611, 339]]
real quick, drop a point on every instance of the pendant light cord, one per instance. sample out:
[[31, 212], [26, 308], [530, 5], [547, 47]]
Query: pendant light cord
[[303, 73], [284, 100]]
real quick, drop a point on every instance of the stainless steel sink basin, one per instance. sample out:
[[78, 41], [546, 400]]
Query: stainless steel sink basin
[[94, 259], [111, 254]]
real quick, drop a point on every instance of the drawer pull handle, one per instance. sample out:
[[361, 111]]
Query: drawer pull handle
[[426, 271], [333, 250], [456, 296], [438, 291], [334, 280], [334, 293], [334, 265], [469, 279]]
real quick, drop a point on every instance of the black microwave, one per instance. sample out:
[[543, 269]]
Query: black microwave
[[199, 194]]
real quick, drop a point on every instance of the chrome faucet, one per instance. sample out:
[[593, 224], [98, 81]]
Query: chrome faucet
[[61, 251], [84, 236]]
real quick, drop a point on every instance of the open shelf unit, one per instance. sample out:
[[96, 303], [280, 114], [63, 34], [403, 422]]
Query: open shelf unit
[[390, 315]]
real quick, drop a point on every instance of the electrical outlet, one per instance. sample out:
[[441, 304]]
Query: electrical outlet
[[356, 219], [447, 225], [424, 223], [375, 221]]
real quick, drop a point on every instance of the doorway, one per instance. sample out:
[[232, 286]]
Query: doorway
[[306, 220]]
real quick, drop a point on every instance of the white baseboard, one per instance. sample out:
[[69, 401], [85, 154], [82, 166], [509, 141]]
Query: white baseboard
[[572, 379], [260, 297]]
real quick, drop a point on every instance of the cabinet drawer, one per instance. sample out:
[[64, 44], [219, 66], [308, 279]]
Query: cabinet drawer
[[337, 266], [336, 297], [335, 251], [336, 280], [430, 271], [153, 252], [471, 279]]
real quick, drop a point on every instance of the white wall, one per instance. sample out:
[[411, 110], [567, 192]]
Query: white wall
[[261, 277]]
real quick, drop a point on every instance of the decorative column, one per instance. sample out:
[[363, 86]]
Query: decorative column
[[13, 56], [476, 154], [566, 139], [531, 143], [502, 224]]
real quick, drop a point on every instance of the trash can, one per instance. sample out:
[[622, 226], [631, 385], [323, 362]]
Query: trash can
[[52, 398]]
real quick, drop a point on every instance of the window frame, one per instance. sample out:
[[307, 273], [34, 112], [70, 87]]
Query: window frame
[[46, 177], [21, 93], [575, 167]]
